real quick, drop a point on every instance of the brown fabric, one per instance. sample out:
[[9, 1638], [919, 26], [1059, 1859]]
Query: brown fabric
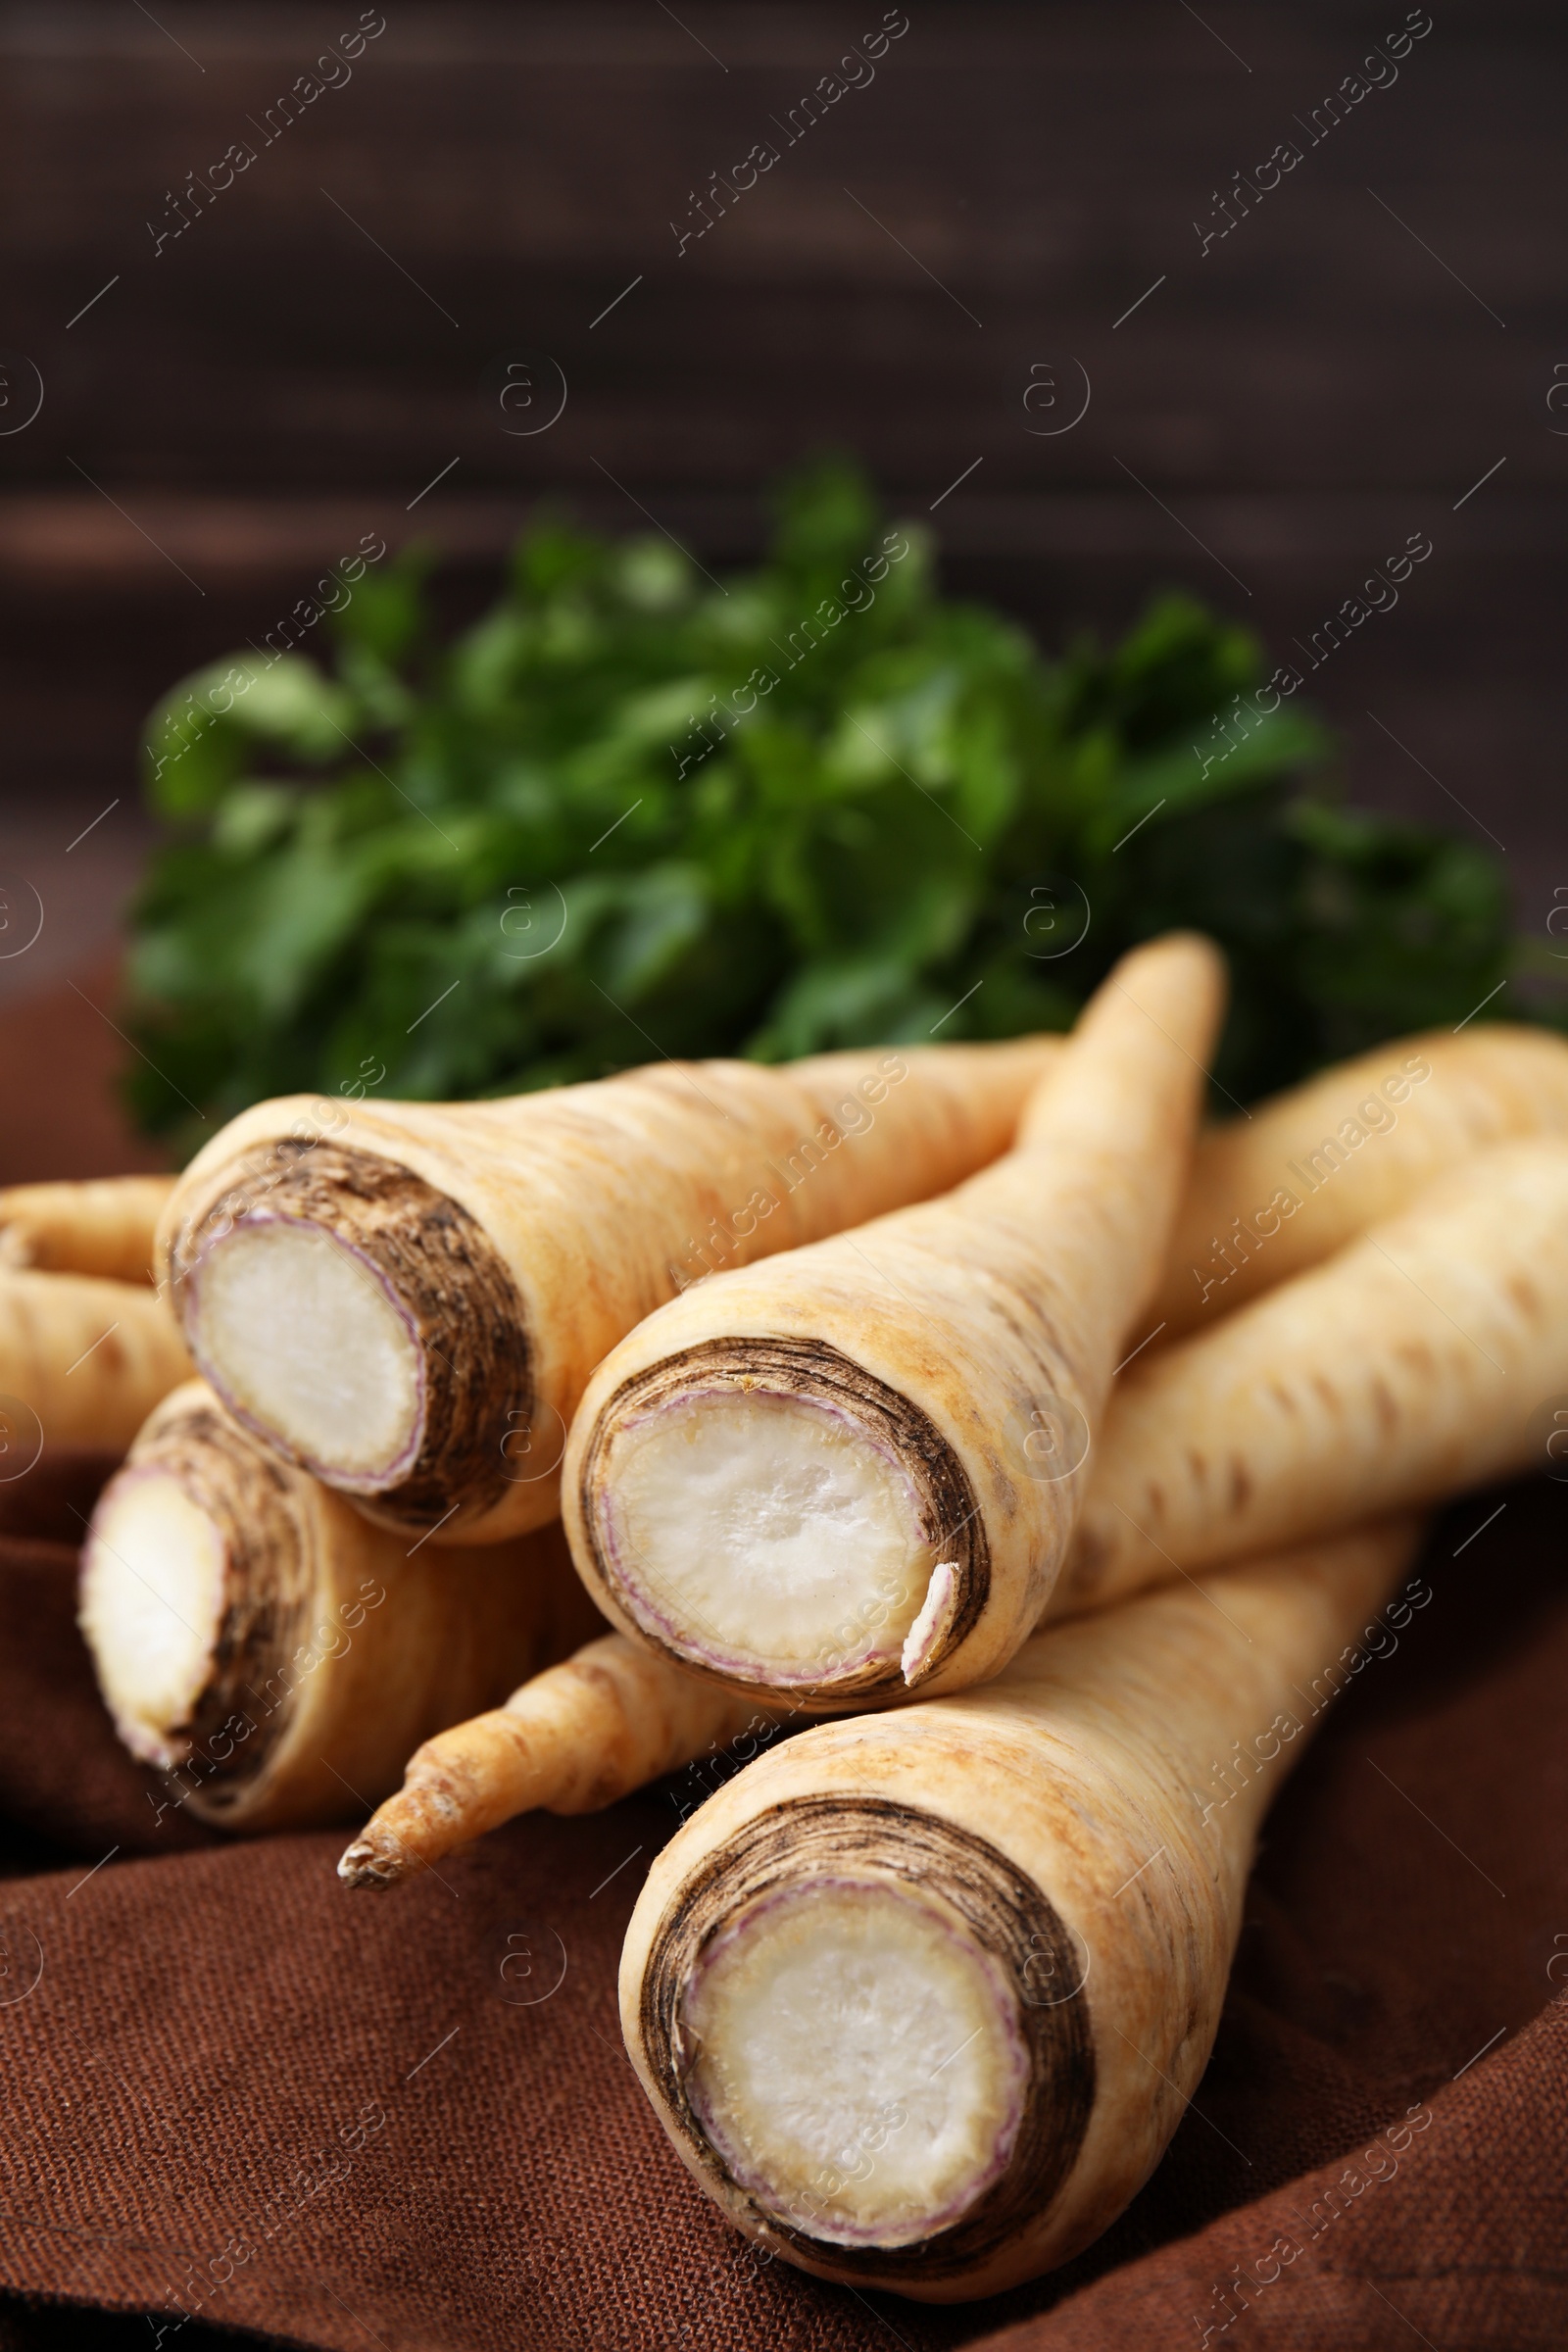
[[230, 2064], [238, 2091], [62, 1060]]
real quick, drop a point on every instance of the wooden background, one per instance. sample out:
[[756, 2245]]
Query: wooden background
[[294, 369]]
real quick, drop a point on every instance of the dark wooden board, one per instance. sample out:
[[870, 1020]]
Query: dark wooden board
[[1292, 403]]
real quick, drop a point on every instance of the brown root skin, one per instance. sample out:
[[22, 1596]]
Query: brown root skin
[[971, 1327], [573, 1739], [88, 1357], [1403, 1370], [1280, 1191], [105, 1226], [600, 1201], [339, 1647], [1076, 1813]]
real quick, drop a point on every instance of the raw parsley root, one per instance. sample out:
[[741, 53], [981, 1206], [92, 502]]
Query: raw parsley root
[[88, 1357], [257, 1636], [104, 1225], [571, 1741], [1412, 1364], [921, 1997], [1280, 1191], [408, 1299], [855, 1468], [1441, 1096]]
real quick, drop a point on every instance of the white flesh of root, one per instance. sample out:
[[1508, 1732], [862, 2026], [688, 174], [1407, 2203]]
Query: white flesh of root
[[766, 1535], [305, 1341], [858, 2063], [152, 1596]]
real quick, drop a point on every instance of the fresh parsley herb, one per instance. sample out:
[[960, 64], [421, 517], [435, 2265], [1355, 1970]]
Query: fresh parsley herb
[[630, 812]]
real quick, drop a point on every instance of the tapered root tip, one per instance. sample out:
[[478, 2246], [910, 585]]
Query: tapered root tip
[[365, 1863]]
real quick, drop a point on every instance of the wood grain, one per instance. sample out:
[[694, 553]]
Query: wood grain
[[1279, 410]]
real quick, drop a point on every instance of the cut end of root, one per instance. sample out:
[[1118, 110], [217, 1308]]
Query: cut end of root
[[195, 1575], [772, 1537], [361, 1322], [307, 1342], [856, 2060], [839, 2014], [154, 1574]]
